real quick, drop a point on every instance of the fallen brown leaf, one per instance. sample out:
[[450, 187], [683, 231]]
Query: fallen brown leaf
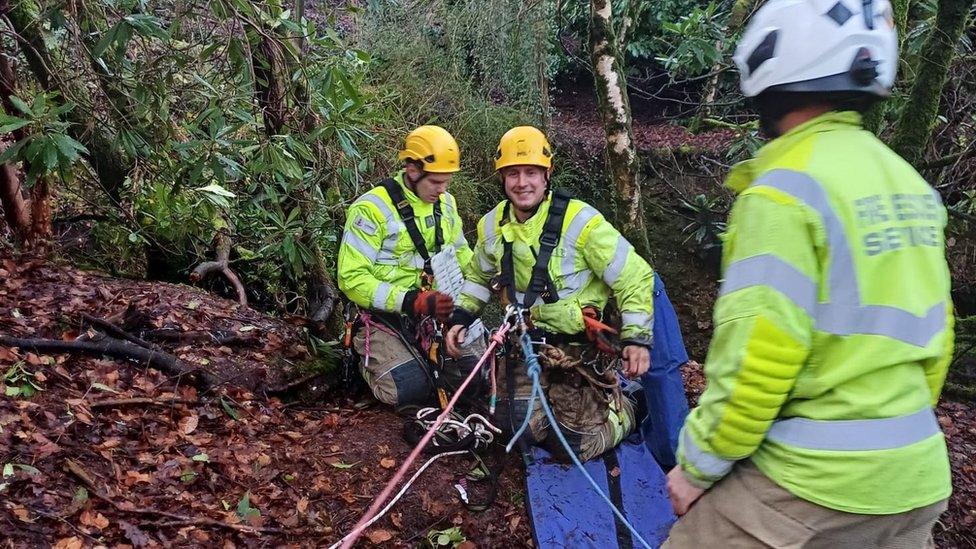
[[379, 536], [74, 542], [189, 424], [387, 463]]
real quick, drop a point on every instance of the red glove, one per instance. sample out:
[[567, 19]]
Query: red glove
[[435, 304], [597, 331]]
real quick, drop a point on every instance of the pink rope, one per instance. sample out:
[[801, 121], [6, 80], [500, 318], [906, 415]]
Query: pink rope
[[497, 338], [369, 325]]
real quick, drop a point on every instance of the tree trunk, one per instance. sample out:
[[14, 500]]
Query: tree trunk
[[918, 116], [53, 72], [740, 9], [614, 106], [875, 117], [273, 90]]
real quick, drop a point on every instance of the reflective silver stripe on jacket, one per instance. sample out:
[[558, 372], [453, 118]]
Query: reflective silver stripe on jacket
[[616, 265], [855, 434], [476, 291], [644, 320], [706, 463], [352, 240], [844, 314], [393, 227], [411, 259], [490, 225], [381, 294]]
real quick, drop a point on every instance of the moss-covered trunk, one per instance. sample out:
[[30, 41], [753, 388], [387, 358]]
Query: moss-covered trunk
[[874, 119], [917, 118], [614, 106], [280, 103]]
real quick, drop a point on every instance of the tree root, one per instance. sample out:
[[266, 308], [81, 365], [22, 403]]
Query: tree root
[[201, 337], [221, 265], [138, 401]]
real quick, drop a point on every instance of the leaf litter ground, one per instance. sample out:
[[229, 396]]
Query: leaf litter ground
[[111, 453]]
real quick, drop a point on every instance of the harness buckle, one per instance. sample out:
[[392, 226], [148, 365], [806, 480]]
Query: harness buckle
[[549, 239]]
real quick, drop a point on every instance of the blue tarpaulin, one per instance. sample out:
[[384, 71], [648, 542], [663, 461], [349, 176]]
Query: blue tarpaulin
[[664, 390], [567, 512]]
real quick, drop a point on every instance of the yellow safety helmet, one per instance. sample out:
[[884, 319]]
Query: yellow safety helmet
[[523, 145], [434, 148]]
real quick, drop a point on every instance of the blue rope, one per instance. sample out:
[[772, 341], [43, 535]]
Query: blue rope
[[533, 369]]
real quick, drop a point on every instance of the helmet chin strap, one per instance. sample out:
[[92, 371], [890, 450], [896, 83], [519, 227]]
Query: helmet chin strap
[[412, 183]]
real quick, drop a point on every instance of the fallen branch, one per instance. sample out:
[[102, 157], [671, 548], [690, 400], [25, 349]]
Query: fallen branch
[[138, 401], [167, 334], [114, 348], [221, 265], [75, 469], [114, 331]]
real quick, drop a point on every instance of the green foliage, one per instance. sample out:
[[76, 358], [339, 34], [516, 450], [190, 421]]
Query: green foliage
[[647, 41], [707, 222], [449, 537], [692, 43], [46, 147], [20, 382]]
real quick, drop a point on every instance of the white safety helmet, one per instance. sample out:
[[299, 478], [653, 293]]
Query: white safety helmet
[[819, 46]]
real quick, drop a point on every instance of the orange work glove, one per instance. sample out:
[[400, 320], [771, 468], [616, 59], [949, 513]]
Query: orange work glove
[[597, 331], [431, 303]]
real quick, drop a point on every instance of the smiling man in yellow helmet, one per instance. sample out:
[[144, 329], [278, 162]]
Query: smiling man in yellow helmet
[[384, 267], [562, 261], [833, 326]]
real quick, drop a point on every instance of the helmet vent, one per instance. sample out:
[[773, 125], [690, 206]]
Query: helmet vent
[[763, 52], [839, 13], [864, 69]]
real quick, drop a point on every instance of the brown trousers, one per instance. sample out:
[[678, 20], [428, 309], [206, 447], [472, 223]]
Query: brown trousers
[[747, 509], [401, 376], [592, 419]]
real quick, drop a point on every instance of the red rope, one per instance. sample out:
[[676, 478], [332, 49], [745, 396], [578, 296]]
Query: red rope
[[497, 338]]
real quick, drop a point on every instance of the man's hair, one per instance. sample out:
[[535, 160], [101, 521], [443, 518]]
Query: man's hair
[[772, 106], [777, 104]]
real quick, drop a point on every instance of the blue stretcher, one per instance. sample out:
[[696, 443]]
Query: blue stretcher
[[565, 510]]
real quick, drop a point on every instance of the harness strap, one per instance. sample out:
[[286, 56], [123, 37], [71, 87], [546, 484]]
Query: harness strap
[[540, 283], [410, 222]]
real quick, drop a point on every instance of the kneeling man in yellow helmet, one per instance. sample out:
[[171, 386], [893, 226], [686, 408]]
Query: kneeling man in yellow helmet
[[391, 233], [561, 260]]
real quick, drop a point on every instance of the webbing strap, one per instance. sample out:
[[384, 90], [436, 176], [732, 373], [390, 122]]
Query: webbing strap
[[410, 222], [540, 283]]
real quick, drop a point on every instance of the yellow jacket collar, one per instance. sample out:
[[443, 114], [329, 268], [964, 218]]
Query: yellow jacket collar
[[530, 226], [744, 173]]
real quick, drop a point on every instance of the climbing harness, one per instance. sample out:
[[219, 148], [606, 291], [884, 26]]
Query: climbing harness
[[540, 283], [410, 222]]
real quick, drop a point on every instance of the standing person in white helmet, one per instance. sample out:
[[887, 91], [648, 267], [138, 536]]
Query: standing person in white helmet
[[833, 327]]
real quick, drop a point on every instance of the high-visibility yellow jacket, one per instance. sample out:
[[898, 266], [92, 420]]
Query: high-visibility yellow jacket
[[833, 327], [378, 264], [591, 260]]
